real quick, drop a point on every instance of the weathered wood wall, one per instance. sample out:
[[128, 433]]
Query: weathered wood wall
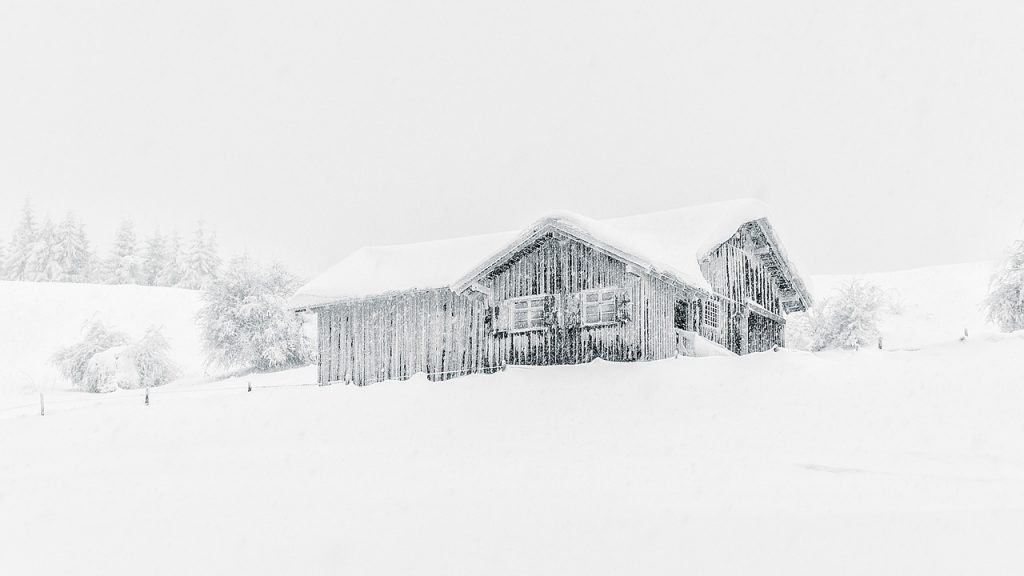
[[563, 268], [737, 275], [393, 337]]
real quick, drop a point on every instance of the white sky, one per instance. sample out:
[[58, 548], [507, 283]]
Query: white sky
[[886, 135]]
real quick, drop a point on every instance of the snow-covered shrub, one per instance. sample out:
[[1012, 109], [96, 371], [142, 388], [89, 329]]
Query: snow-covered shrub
[[105, 361], [1005, 301], [73, 361], [152, 362], [848, 320], [245, 322]]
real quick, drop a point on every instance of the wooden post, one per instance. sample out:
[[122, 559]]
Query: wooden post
[[147, 396], [250, 386], [42, 405], [879, 342]]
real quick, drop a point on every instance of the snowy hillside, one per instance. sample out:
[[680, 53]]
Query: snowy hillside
[[899, 461], [37, 318], [926, 305]]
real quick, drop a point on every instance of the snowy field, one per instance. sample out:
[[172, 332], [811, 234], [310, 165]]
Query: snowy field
[[38, 318], [902, 461]]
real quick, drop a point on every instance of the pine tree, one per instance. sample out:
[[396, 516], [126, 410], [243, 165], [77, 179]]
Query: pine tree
[[123, 266], [154, 260], [90, 268], [200, 265], [213, 253], [172, 271], [42, 265], [71, 251], [20, 250]]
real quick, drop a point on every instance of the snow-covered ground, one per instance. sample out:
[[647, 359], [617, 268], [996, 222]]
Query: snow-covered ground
[[903, 461]]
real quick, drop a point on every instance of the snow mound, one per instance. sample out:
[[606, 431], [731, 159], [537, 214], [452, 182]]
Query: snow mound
[[112, 369], [702, 347]]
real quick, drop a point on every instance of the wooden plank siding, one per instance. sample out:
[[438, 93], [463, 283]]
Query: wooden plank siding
[[737, 275], [563, 267], [394, 337]]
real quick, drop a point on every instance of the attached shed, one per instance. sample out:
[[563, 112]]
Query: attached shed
[[566, 290]]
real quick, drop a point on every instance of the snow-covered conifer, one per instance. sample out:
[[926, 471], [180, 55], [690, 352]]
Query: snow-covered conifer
[[200, 263], [42, 265], [171, 275], [123, 264], [213, 254], [19, 253], [1005, 301], [154, 259], [244, 320], [90, 266], [71, 251]]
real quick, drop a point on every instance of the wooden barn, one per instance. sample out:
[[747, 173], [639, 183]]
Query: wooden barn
[[566, 290]]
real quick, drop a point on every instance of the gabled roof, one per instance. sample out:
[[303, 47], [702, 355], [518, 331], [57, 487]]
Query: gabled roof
[[670, 243]]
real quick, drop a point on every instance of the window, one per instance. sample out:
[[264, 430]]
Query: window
[[711, 314], [599, 306], [527, 313]]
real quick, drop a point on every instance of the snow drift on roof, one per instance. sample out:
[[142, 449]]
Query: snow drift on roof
[[381, 269], [671, 242]]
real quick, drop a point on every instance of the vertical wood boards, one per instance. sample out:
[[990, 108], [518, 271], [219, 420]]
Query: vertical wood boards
[[563, 268], [738, 275], [396, 336]]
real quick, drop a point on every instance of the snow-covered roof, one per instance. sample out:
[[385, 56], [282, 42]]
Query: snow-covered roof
[[377, 270], [671, 242]]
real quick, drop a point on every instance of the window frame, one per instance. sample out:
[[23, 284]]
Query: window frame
[[510, 305], [712, 309], [614, 291]]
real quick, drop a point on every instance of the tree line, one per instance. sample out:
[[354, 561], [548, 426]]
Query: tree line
[[48, 252]]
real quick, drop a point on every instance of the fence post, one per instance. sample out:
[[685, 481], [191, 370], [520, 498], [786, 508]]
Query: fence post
[[147, 395], [42, 405], [250, 386]]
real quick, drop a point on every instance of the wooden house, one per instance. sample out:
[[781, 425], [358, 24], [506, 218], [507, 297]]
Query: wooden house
[[566, 290]]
